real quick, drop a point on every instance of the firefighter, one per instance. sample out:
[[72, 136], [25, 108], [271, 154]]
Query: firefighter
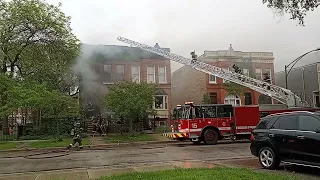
[[194, 56], [76, 134]]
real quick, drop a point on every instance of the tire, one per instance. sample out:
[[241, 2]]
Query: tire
[[210, 137], [268, 158]]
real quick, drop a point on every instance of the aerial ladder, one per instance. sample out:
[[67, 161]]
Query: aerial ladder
[[282, 95]]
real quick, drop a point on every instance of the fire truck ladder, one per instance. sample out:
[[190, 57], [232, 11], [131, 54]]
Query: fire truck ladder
[[283, 95]]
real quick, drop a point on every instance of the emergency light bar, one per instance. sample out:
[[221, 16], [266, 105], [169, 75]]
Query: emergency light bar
[[188, 102]]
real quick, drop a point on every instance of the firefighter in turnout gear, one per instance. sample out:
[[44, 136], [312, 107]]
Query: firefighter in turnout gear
[[76, 134], [194, 56]]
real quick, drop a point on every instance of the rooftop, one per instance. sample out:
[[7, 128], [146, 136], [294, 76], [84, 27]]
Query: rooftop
[[115, 52], [230, 52]]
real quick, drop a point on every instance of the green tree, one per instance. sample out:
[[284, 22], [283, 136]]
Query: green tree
[[296, 8], [130, 100], [232, 87], [36, 43], [206, 99]]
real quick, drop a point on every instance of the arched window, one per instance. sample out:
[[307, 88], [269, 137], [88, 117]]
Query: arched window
[[232, 99]]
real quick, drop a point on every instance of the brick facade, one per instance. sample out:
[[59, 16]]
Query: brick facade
[[198, 83], [129, 57]]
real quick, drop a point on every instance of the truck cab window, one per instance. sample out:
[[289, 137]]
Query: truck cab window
[[225, 111]]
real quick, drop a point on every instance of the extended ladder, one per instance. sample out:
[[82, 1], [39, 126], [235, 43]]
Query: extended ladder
[[283, 95]]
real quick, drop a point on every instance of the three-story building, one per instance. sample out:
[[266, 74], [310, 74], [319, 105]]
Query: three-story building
[[191, 85], [118, 63]]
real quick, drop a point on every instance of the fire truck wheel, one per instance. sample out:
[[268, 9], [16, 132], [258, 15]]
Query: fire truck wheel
[[210, 137]]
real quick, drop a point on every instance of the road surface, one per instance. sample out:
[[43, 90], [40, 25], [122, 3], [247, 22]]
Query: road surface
[[122, 156]]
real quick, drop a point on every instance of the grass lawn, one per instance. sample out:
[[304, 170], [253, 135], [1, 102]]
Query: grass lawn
[[8, 145], [114, 138], [203, 174], [55, 143]]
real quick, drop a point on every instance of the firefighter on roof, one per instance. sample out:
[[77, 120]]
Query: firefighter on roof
[[76, 134], [194, 56]]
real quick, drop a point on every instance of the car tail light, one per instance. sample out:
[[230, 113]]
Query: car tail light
[[252, 137]]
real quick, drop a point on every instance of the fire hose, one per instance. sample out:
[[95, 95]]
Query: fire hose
[[50, 154]]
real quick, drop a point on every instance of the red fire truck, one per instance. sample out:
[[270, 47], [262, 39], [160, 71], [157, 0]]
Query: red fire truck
[[212, 122]]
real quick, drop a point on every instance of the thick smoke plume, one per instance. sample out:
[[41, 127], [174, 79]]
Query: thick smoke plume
[[91, 89]]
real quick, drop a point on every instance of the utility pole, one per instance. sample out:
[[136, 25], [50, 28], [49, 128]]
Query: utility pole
[[286, 76], [303, 85]]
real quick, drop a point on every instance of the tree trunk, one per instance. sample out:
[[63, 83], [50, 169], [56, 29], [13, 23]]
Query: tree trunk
[[5, 125], [131, 126]]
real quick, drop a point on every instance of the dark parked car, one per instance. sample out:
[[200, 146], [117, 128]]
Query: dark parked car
[[292, 138]]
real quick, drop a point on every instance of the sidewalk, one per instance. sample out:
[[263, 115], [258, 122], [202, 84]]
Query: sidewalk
[[97, 143], [97, 172]]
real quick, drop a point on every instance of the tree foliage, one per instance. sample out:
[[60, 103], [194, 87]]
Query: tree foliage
[[36, 96], [37, 49], [130, 100], [206, 99], [36, 40], [232, 87], [296, 8]]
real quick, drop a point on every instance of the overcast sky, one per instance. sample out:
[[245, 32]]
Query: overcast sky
[[187, 25]]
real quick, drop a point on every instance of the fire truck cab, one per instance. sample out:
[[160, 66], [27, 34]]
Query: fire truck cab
[[212, 122]]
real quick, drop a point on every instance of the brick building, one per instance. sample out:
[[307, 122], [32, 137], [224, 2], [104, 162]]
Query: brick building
[[190, 85], [117, 63]]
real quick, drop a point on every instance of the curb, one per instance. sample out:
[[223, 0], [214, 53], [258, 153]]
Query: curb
[[93, 147]]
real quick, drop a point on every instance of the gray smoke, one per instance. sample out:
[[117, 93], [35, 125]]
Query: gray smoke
[[91, 89]]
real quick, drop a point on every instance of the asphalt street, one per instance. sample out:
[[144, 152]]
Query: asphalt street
[[135, 156], [122, 156]]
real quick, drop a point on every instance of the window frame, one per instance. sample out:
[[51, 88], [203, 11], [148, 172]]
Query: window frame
[[105, 72], [132, 74], [154, 74], [244, 94], [246, 74], [255, 73], [117, 73], [165, 102], [215, 79], [235, 99], [165, 74], [270, 73]]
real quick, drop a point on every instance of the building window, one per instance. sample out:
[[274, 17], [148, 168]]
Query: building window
[[135, 73], [226, 81], [247, 98], [212, 79], [162, 74], [214, 97], [258, 74], [151, 75], [245, 72], [268, 71], [120, 72], [107, 78], [232, 99], [161, 102]]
